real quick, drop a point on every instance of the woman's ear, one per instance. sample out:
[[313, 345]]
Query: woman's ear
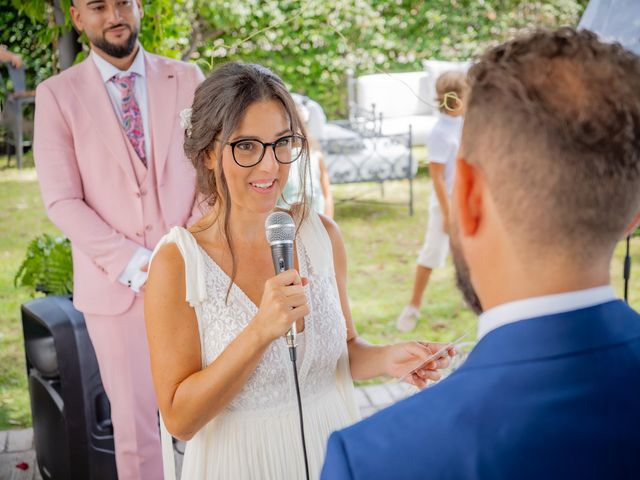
[[211, 160]]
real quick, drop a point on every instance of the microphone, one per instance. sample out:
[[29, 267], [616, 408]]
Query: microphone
[[281, 231]]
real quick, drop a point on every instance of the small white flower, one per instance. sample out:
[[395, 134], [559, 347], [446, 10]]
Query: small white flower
[[185, 120]]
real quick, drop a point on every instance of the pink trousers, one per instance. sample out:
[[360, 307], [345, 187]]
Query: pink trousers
[[121, 347]]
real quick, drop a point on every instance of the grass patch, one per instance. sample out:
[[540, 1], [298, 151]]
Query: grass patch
[[382, 242], [22, 217]]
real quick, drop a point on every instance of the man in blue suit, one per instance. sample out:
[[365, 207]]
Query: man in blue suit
[[548, 181]]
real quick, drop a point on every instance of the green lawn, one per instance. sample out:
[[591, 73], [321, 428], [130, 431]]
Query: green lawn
[[382, 243], [21, 218]]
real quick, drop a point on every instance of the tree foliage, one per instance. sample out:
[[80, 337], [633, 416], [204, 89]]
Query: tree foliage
[[312, 43], [30, 37]]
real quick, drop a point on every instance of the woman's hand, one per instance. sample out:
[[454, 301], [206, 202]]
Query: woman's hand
[[406, 361], [283, 303]]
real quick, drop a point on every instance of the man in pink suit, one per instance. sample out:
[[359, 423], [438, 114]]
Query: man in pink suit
[[114, 179]]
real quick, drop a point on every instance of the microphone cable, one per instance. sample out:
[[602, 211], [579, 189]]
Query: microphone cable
[[280, 230], [292, 354], [627, 271]]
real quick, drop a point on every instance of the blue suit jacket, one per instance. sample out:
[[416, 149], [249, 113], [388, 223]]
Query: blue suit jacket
[[550, 397]]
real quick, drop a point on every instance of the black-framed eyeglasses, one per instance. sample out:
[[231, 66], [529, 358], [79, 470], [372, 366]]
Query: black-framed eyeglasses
[[250, 152]]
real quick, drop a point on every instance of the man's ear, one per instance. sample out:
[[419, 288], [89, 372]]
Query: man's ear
[[139, 2], [76, 19], [633, 225], [467, 197]]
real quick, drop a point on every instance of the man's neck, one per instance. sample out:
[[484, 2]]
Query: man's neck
[[120, 63], [540, 279]]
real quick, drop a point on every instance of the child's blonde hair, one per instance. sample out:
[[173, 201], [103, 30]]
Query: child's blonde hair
[[451, 89]]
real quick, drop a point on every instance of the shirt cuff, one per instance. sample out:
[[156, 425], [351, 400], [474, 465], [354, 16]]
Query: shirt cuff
[[132, 276]]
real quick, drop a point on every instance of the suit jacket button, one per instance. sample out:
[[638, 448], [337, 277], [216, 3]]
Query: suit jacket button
[[148, 228], [138, 234]]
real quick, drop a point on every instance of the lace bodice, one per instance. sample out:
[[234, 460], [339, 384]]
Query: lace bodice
[[271, 385]]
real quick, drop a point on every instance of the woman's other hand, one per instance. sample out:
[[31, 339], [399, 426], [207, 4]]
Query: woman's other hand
[[407, 361]]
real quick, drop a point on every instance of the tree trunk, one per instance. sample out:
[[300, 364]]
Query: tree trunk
[[68, 46]]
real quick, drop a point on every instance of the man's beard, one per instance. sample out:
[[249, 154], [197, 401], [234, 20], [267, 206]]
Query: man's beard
[[463, 277], [117, 51]]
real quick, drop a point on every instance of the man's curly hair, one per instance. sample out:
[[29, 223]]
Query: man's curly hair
[[553, 121]]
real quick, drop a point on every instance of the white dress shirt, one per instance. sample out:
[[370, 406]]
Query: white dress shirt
[[540, 306], [108, 71], [132, 276]]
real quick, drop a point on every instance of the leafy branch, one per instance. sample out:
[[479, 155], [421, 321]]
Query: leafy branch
[[47, 266]]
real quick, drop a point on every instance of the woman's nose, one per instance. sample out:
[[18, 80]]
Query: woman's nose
[[269, 162]]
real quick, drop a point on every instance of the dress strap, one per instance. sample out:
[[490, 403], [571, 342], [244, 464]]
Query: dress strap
[[313, 235], [193, 265], [317, 243]]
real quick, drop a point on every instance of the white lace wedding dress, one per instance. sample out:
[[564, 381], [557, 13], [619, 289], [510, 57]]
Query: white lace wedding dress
[[257, 436]]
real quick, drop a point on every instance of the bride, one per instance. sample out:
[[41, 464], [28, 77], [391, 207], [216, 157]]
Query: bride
[[216, 313]]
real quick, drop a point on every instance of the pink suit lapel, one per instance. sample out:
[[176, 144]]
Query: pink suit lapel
[[162, 90], [92, 94]]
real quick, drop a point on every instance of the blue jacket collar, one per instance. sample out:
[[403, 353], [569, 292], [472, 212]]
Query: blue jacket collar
[[556, 335]]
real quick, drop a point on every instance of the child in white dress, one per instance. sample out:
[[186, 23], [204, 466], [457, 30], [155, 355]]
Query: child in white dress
[[442, 147]]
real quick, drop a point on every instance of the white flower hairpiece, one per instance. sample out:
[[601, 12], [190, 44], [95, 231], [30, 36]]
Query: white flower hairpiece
[[185, 120]]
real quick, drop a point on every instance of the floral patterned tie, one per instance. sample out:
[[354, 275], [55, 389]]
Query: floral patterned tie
[[131, 116]]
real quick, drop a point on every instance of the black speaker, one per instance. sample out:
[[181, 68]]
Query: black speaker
[[72, 427]]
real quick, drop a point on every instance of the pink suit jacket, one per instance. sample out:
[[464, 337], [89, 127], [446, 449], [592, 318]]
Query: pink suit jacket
[[88, 184]]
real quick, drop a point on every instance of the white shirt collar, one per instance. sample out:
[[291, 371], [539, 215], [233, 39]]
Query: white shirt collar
[[541, 306], [108, 71]]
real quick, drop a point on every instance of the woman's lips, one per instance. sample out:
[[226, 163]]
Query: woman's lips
[[263, 186]]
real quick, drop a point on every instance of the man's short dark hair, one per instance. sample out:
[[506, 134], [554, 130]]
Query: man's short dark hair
[[553, 120]]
